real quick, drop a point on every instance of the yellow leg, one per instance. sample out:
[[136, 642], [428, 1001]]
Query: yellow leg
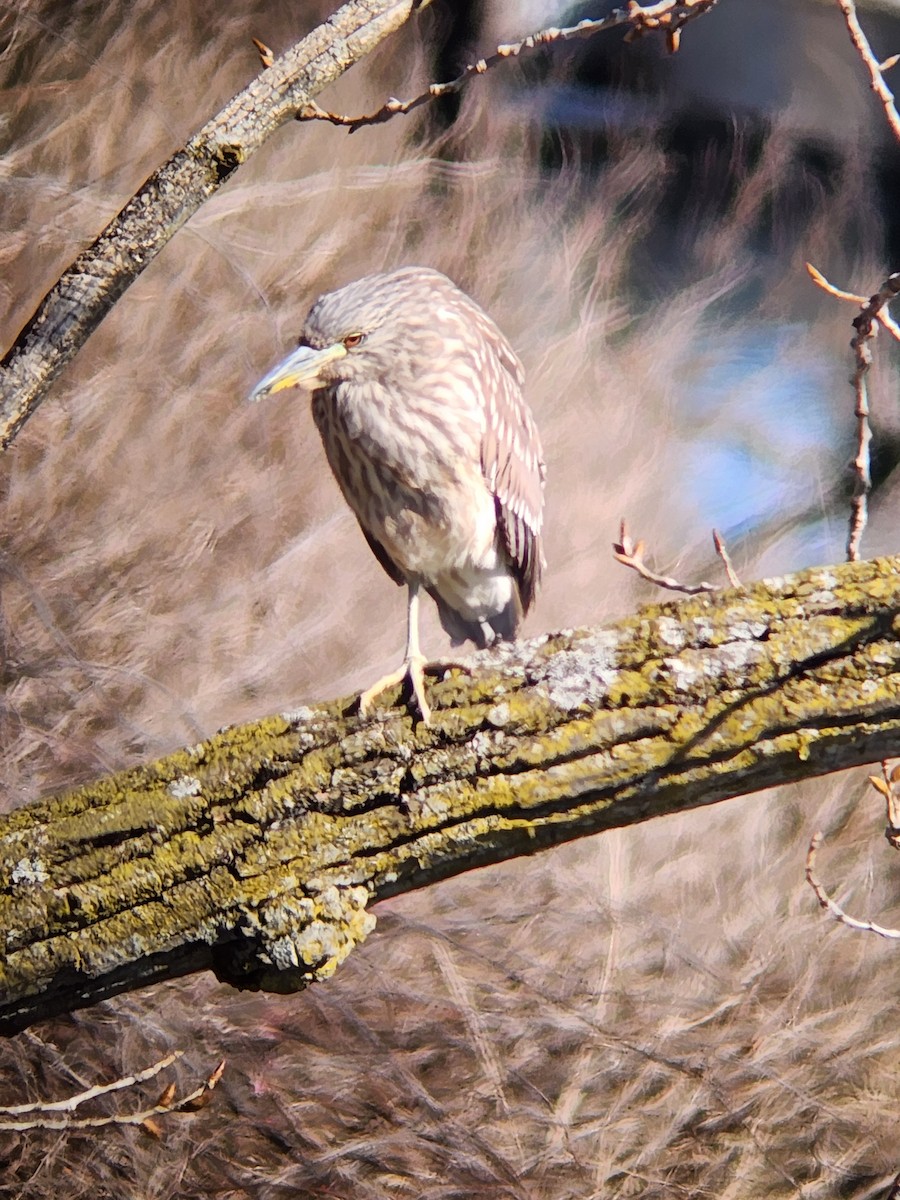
[[413, 667]]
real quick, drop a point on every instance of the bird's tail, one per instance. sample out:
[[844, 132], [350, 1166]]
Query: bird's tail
[[484, 632]]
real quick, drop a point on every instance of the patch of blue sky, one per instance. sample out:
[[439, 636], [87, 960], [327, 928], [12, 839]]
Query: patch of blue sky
[[767, 439]]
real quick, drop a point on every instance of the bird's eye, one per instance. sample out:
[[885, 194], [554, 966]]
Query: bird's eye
[[353, 339]]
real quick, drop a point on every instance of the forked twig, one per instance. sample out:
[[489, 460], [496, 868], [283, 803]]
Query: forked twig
[[871, 315], [631, 554], [879, 313], [875, 68]]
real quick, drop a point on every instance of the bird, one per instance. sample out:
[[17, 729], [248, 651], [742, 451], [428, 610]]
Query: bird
[[418, 398]]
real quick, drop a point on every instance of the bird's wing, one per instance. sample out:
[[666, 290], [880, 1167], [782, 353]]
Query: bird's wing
[[383, 557], [513, 466]]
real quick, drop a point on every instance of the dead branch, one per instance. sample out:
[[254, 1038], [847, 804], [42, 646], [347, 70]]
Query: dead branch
[[866, 327], [887, 784], [877, 313], [875, 68], [865, 324], [100, 1089], [667, 17], [631, 554], [257, 854], [167, 1104], [87, 290], [722, 551], [832, 905]]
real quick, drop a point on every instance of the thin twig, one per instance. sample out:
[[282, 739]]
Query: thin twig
[[862, 462], [832, 905], [866, 325], [883, 317], [668, 17], [722, 551], [167, 1103], [631, 554], [101, 1089], [875, 68]]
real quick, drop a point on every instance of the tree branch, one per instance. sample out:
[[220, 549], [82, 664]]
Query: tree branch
[[866, 323], [256, 853], [876, 69], [668, 17], [87, 290]]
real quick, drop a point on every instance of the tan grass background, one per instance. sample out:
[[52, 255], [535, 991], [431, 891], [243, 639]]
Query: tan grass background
[[656, 1012]]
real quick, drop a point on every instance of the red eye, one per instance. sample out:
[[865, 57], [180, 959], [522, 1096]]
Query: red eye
[[352, 339]]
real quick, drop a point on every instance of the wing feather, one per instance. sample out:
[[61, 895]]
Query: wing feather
[[383, 557], [512, 462]]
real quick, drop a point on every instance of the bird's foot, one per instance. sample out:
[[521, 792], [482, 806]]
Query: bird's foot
[[412, 669]]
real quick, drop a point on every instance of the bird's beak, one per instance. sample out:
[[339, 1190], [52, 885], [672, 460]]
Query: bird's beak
[[303, 368]]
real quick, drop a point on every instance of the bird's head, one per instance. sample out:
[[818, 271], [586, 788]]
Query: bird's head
[[375, 328]]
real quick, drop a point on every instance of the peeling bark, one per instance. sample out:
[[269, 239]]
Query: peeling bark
[[257, 853]]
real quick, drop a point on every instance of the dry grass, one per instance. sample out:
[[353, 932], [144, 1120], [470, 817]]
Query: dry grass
[[657, 1012]]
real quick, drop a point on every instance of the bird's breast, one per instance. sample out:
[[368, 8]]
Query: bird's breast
[[412, 475]]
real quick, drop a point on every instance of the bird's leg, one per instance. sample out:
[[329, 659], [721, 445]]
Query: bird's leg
[[413, 667], [415, 659]]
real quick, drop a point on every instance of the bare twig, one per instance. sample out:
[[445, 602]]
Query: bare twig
[[832, 905], [722, 551], [875, 68], [167, 1103], [100, 1089], [866, 325], [862, 463], [866, 328], [882, 316], [668, 17], [631, 554], [888, 785]]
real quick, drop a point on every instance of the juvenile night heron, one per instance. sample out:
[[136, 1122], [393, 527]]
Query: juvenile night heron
[[418, 398]]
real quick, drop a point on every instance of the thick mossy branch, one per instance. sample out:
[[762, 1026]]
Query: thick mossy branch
[[257, 853], [86, 292]]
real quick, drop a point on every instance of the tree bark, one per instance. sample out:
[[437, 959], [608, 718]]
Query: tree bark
[[87, 291], [257, 853]]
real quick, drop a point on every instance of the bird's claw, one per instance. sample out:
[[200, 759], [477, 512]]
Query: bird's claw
[[412, 669]]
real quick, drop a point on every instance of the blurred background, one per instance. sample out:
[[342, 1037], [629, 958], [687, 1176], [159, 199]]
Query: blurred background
[[660, 1011]]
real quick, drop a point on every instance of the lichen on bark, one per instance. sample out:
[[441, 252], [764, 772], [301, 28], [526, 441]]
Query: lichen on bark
[[258, 852]]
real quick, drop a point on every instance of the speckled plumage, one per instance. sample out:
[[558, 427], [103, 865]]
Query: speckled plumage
[[418, 399]]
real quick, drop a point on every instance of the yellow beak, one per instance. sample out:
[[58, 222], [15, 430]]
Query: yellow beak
[[303, 368]]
